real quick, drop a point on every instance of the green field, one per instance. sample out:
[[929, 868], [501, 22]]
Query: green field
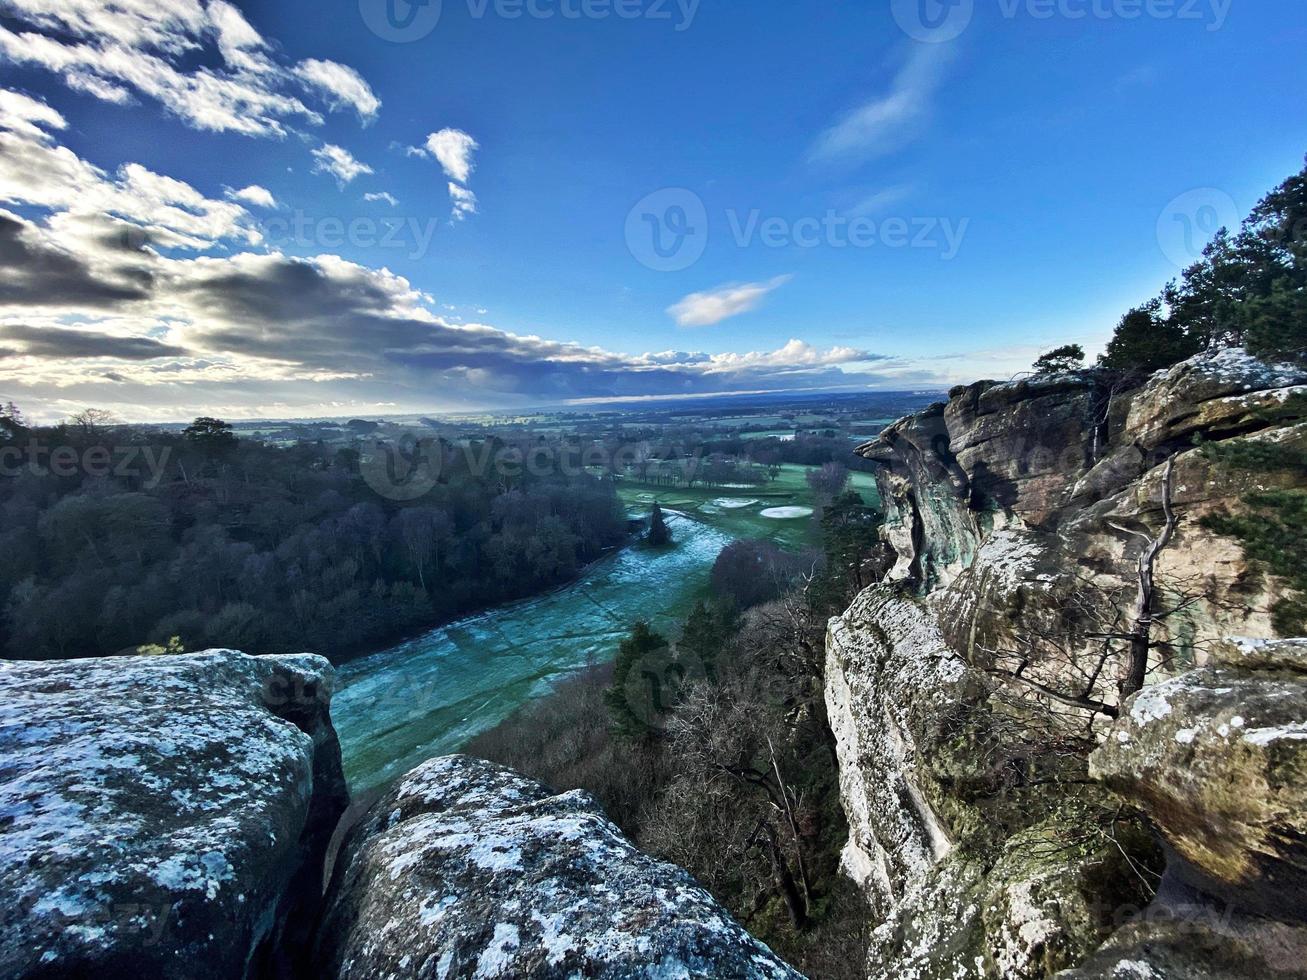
[[430, 694], [790, 488]]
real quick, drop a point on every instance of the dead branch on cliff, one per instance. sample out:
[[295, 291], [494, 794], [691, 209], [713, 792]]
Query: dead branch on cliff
[[1108, 634]]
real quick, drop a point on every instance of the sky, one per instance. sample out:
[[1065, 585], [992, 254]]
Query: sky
[[309, 208]]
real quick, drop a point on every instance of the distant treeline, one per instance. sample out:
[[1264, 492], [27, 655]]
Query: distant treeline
[[112, 537], [802, 450]]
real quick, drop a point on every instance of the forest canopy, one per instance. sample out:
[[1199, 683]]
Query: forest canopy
[[113, 537]]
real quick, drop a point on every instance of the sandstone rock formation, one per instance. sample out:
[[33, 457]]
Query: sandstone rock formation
[[1017, 513], [1217, 758], [164, 816], [466, 869]]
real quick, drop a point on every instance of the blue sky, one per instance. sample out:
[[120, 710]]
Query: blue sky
[[922, 212]]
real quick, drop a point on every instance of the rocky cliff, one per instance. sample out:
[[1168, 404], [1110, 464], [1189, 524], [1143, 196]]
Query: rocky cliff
[[465, 869], [969, 690], [171, 817], [164, 816]]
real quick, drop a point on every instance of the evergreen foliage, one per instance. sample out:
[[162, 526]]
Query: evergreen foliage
[[630, 700], [660, 535], [1069, 357], [1249, 288]]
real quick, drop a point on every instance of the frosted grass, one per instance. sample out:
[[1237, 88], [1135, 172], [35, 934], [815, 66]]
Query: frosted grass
[[428, 696]]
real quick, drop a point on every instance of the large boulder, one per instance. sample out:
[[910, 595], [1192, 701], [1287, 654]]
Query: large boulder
[[467, 869], [164, 816], [1217, 758]]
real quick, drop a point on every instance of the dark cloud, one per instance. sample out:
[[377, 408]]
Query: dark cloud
[[56, 342], [34, 272], [345, 321]]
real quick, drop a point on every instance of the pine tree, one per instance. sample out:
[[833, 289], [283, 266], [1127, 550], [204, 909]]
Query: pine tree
[[706, 631], [630, 719], [1145, 341], [1070, 357], [659, 533]]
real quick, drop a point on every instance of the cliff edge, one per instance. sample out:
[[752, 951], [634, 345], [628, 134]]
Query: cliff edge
[[969, 691]]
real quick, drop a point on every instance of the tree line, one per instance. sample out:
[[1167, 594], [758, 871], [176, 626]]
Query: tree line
[[1249, 289], [236, 543]]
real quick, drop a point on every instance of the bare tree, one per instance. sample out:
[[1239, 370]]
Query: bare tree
[[1140, 636], [1072, 670], [91, 420]]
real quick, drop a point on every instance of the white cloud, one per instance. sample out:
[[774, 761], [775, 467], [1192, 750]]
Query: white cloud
[[385, 196], [342, 85], [715, 305], [254, 194], [464, 201], [887, 122], [339, 162], [35, 170], [205, 63], [101, 304], [453, 148]]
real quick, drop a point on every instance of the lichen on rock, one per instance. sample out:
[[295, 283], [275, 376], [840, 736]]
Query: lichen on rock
[[1016, 511], [464, 868], [163, 815]]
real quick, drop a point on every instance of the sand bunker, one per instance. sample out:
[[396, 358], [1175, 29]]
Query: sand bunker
[[732, 503], [786, 513]]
